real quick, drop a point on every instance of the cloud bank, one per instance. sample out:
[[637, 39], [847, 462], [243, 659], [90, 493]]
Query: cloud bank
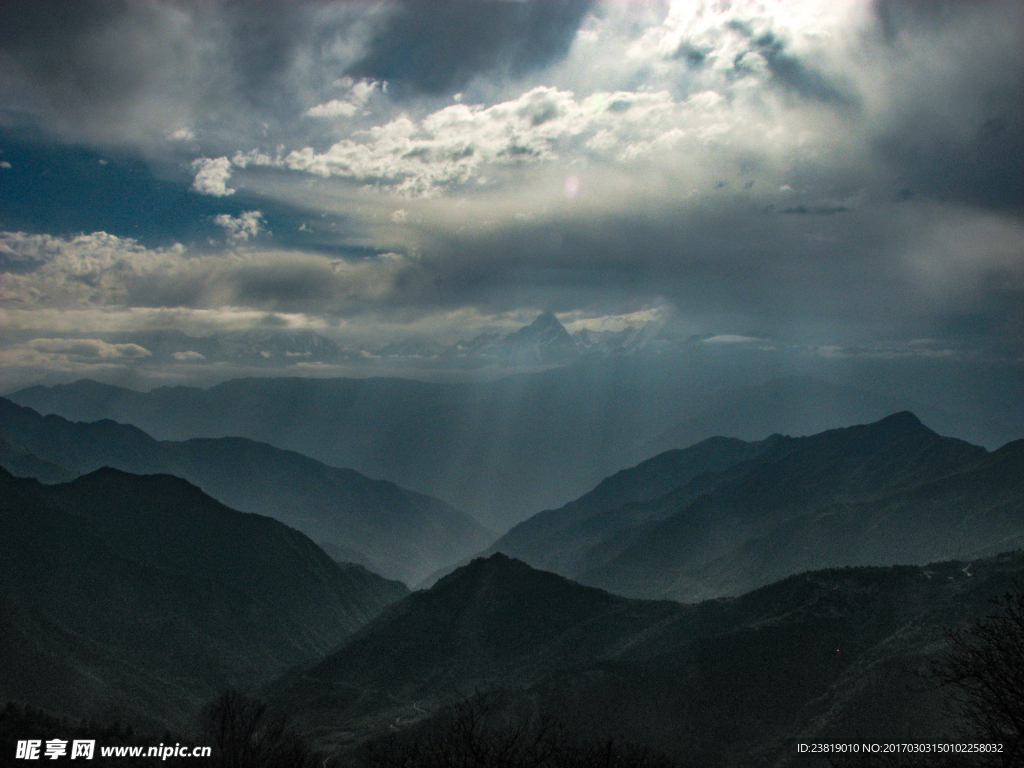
[[799, 172]]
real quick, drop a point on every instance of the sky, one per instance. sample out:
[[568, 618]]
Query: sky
[[838, 180]]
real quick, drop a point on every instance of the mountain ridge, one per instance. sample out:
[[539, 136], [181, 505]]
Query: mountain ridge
[[818, 656], [400, 533], [705, 536], [503, 449]]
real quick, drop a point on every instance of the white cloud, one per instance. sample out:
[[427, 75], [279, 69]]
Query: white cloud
[[241, 228], [333, 108], [352, 103], [188, 356], [102, 270], [85, 349], [580, 320], [727, 338], [84, 270], [212, 176], [112, 319], [465, 143], [718, 34], [668, 114]]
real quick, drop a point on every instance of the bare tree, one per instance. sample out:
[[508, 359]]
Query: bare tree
[[985, 672], [479, 732], [472, 733], [248, 735]]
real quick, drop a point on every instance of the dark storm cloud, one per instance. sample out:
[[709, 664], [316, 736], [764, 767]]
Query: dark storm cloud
[[288, 284], [438, 47], [263, 39], [959, 132], [876, 270], [899, 18], [50, 34], [815, 210], [786, 68], [717, 259], [986, 168], [57, 53], [80, 60], [790, 72], [114, 71]]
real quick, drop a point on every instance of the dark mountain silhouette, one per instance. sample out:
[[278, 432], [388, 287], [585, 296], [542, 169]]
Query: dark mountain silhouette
[[503, 449], [499, 617], [493, 619], [139, 597], [396, 532], [824, 656], [560, 540], [743, 515], [974, 512], [795, 405], [855, 496]]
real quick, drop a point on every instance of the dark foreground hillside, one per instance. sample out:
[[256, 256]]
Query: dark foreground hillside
[[137, 599], [824, 656]]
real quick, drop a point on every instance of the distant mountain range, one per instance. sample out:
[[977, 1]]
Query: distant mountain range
[[830, 655], [725, 516], [543, 342], [392, 531], [138, 598], [503, 450]]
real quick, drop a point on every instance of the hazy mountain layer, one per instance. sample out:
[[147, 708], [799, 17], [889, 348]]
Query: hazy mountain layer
[[21, 463], [744, 514], [139, 598], [890, 492], [396, 532], [561, 540], [503, 449], [828, 655], [791, 406]]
